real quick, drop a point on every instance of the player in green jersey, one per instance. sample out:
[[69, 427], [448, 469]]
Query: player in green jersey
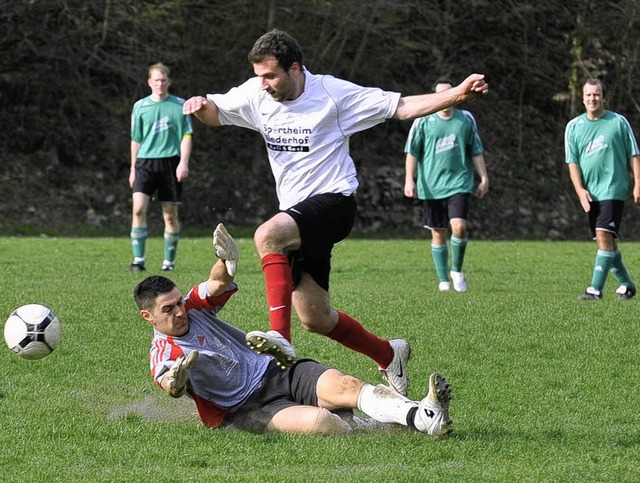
[[443, 152], [599, 146], [160, 151]]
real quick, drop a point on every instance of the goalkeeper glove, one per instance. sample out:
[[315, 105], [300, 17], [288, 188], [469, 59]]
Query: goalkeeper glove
[[179, 374], [226, 249]]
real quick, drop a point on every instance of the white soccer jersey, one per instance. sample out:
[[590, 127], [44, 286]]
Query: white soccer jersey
[[226, 373], [307, 139]]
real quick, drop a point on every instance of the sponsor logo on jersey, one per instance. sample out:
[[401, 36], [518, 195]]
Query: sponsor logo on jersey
[[287, 138], [446, 143], [596, 146], [161, 125]]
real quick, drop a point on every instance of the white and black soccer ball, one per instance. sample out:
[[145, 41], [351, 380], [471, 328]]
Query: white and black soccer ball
[[32, 331]]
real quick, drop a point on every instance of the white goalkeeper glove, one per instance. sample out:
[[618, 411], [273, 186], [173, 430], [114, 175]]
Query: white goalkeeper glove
[[226, 249], [178, 375]]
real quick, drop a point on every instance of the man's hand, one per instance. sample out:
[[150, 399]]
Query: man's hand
[[585, 200], [410, 189], [226, 249], [474, 84], [482, 188], [194, 104], [182, 171], [178, 375]]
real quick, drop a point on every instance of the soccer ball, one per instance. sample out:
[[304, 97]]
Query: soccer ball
[[32, 331]]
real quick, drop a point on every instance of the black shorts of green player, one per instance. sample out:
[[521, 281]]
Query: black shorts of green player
[[439, 213], [158, 175], [606, 215]]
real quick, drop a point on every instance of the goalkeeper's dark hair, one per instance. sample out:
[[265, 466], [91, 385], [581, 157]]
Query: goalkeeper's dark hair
[[147, 291], [278, 44]]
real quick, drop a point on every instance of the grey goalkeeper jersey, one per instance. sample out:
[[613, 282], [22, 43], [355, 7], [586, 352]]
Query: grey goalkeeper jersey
[[227, 372]]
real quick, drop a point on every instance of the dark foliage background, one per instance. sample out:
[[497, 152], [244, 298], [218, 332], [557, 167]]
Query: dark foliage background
[[71, 70]]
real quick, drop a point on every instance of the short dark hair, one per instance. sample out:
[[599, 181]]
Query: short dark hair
[[278, 44], [147, 291], [592, 81], [441, 80]]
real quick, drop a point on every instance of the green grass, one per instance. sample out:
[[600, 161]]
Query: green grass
[[545, 387]]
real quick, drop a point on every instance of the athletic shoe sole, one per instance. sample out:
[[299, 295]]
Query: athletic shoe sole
[[262, 343], [440, 395]]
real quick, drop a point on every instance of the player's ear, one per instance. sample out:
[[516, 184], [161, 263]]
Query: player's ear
[[295, 68], [148, 316]]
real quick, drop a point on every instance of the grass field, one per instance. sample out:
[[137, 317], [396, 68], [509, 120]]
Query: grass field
[[545, 387]]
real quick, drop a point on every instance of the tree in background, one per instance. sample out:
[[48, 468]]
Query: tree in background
[[70, 70]]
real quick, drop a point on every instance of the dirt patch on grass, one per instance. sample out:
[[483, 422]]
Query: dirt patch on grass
[[157, 409]]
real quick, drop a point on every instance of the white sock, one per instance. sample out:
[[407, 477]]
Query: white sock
[[384, 404]]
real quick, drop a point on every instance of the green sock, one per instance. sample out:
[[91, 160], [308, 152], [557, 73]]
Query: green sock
[[138, 241], [604, 262], [458, 248], [619, 271], [170, 245], [441, 260]]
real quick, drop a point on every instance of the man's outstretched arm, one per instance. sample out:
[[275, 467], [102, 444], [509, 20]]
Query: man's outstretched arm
[[412, 107]]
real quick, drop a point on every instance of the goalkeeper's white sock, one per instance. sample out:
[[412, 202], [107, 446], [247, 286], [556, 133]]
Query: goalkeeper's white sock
[[384, 404]]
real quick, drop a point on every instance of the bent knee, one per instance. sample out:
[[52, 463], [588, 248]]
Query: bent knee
[[329, 423], [264, 241], [139, 210], [260, 235], [351, 384], [345, 384]]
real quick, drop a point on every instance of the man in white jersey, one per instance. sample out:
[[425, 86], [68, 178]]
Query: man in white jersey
[[306, 121], [196, 353], [443, 151], [599, 146]]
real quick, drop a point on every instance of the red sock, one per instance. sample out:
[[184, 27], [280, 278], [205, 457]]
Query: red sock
[[350, 333], [279, 287]]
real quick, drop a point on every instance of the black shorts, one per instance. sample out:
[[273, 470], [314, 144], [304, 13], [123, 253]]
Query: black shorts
[[295, 386], [438, 213], [323, 221], [606, 216], [158, 175]]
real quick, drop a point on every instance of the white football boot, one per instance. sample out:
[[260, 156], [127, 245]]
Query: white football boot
[[459, 283], [272, 343], [444, 287], [396, 373], [626, 292], [432, 416]]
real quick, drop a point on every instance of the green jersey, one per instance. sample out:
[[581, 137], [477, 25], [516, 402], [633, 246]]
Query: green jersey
[[159, 126], [602, 148], [444, 149]]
